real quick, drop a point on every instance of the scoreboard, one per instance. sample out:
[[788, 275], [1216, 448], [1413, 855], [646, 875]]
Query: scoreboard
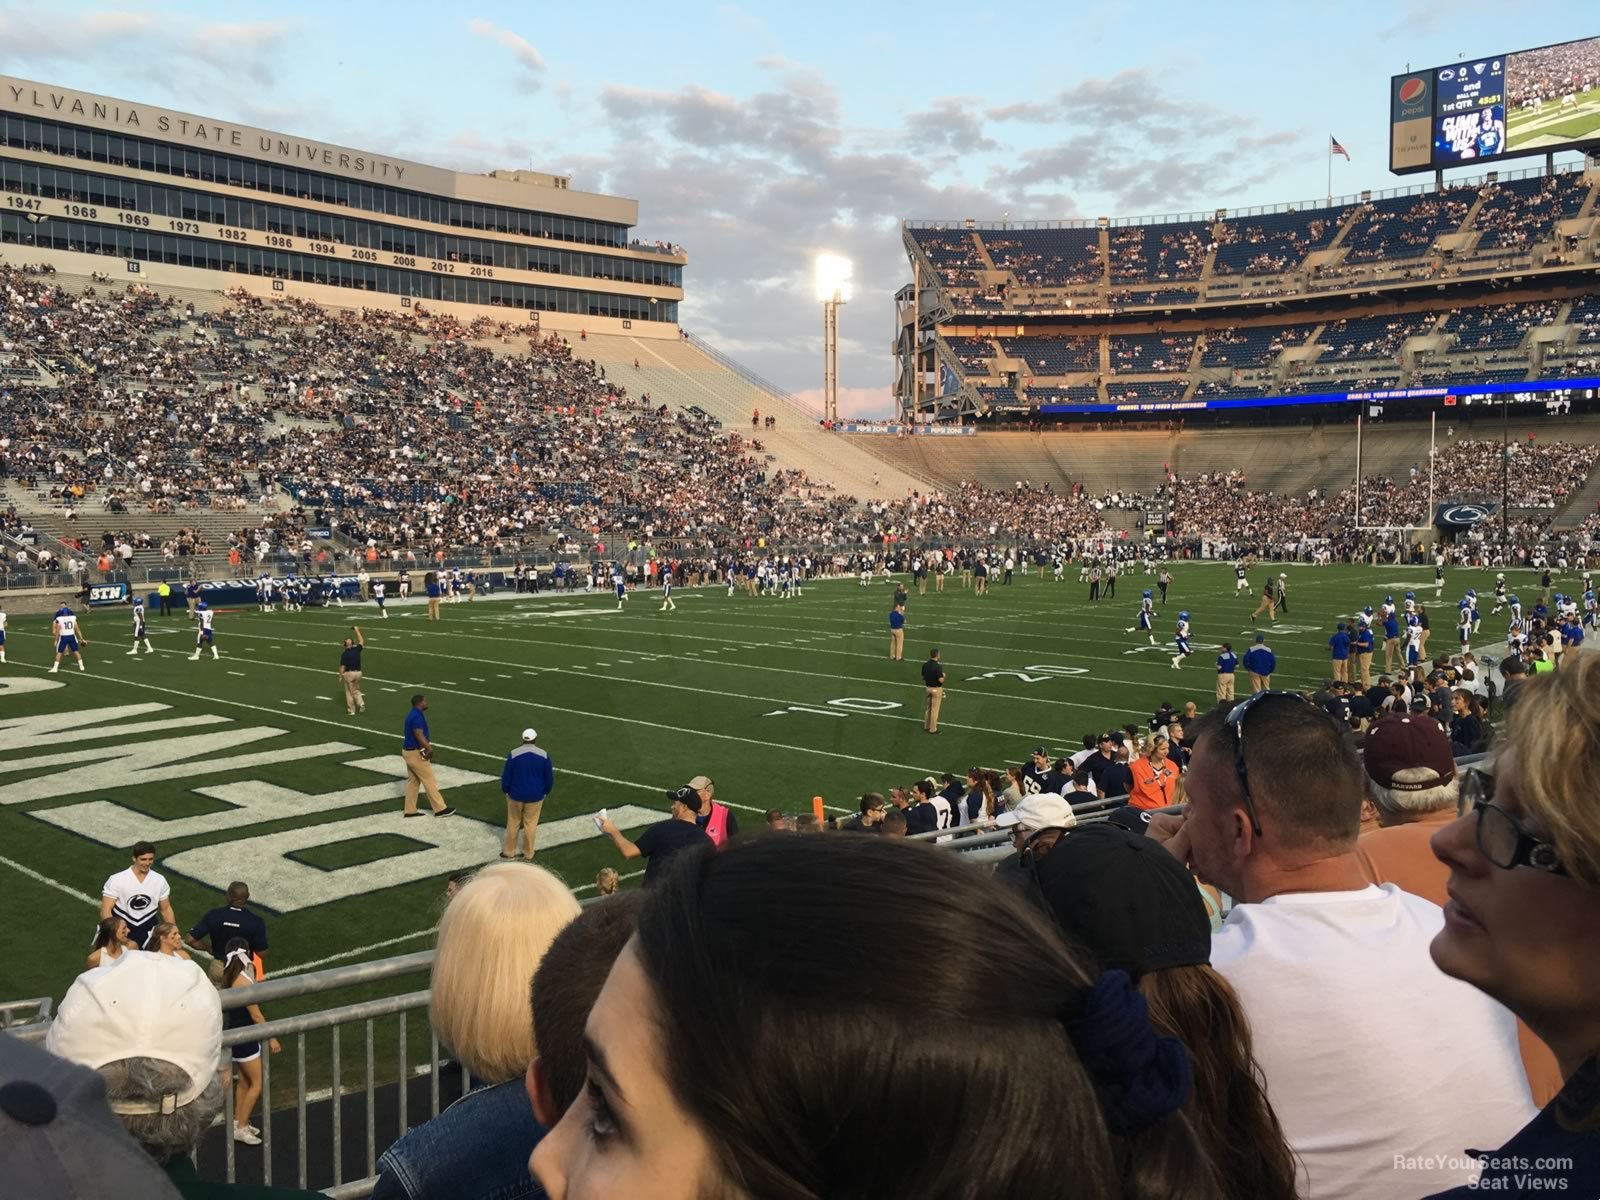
[[1495, 107]]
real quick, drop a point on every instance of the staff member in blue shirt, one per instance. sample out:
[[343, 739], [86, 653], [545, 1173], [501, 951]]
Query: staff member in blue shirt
[[897, 633], [434, 592], [1261, 663], [1364, 643], [526, 779], [1339, 649], [417, 751], [1227, 664]]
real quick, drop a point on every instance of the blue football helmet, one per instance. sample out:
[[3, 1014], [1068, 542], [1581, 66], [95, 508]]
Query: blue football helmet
[[200, 606], [1183, 616], [1411, 595], [1147, 593]]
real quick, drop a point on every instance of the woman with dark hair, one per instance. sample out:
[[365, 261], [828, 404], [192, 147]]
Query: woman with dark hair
[[783, 997], [237, 972], [979, 802], [111, 942], [1130, 906]]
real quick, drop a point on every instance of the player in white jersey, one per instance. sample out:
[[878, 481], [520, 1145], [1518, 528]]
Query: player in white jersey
[[378, 588], [331, 589], [666, 591], [784, 580], [1411, 603], [203, 638], [733, 576], [866, 573], [2, 635], [139, 895], [1515, 604], [1414, 636], [1438, 576], [1464, 626], [802, 567], [1146, 621], [68, 638], [403, 587], [620, 585], [1499, 594], [139, 632], [1182, 640], [1516, 640], [264, 594]]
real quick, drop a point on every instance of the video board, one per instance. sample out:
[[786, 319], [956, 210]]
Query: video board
[[1495, 107]]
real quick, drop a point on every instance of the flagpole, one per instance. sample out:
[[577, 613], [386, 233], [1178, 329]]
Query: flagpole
[[1330, 174]]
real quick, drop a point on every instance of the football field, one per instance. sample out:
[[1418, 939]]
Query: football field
[[249, 768]]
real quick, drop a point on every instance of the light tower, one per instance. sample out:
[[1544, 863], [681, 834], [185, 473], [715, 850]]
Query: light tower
[[833, 289]]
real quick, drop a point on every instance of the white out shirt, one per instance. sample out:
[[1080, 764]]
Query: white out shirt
[[138, 902], [1356, 1079]]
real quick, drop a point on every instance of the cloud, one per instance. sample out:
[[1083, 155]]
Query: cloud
[[531, 77], [141, 46], [953, 123], [865, 403]]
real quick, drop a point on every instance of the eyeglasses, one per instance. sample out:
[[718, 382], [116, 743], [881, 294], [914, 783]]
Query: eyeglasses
[[1235, 724], [1501, 838]]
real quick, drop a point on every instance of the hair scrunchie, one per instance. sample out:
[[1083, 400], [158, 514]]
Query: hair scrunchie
[[1140, 1077]]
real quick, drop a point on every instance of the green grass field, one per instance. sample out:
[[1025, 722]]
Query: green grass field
[[249, 768], [1554, 125]]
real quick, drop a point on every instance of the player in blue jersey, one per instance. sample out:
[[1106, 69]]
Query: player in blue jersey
[[1146, 622], [619, 584], [1182, 640], [1240, 582], [1391, 637], [666, 591], [139, 632], [1363, 649], [203, 638], [68, 638]]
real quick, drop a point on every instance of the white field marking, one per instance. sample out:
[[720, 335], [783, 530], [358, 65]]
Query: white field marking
[[357, 952], [48, 882], [1106, 643], [356, 730], [238, 673], [475, 679], [808, 705], [599, 716], [296, 703], [688, 657]]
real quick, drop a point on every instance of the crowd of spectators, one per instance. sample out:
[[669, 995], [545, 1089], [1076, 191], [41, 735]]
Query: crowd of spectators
[[1195, 986]]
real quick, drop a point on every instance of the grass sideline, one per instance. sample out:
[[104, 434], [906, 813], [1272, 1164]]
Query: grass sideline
[[777, 700]]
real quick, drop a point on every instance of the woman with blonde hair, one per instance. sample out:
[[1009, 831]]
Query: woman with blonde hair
[[166, 938], [491, 938], [1523, 921]]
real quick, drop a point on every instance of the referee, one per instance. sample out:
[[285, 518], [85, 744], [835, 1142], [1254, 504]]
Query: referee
[[933, 682], [350, 671]]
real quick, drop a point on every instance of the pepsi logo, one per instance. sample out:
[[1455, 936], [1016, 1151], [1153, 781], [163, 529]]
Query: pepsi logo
[[1412, 89]]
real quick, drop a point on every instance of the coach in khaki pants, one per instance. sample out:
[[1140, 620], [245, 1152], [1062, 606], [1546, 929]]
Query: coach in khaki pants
[[350, 672], [897, 633], [526, 779], [417, 750], [933, 682]]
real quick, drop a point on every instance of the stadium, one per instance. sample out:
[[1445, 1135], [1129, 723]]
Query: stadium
[[344, 450]]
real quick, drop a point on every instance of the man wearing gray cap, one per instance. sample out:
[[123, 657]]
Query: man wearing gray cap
[[58, 1137], [526, 779]]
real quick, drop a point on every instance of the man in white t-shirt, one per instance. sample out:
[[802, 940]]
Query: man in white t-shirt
[[1372, 1057], [139, 895]]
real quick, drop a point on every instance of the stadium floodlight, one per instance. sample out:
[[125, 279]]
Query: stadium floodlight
[[834, 275], [833, 289]]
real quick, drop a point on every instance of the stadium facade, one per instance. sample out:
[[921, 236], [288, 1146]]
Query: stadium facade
[[190, 201], [1419, 297]]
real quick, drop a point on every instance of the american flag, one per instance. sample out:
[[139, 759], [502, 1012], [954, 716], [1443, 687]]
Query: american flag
[[1335, 148]]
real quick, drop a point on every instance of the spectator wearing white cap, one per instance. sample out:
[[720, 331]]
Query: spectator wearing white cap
[[1036, 825], [526, 779], [152, 1028], [715, 818], [58, 1137]]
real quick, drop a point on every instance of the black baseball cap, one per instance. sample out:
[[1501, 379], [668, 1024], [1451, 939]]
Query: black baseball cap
[[685, 796], [1125, 900]]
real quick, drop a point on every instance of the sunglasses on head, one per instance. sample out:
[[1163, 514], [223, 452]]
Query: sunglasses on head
[[1235, 725]]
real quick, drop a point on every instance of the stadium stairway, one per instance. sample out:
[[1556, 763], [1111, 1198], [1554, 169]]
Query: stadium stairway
[[679, 374]]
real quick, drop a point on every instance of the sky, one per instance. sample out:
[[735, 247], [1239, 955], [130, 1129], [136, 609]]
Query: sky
[[759, 135]]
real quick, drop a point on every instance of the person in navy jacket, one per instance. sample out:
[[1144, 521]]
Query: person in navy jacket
[[526, 779]]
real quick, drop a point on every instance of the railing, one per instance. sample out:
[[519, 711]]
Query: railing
[[749, 376]]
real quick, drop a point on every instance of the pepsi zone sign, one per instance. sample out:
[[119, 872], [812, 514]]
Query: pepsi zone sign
[[1463, 516], [1421, 393]]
